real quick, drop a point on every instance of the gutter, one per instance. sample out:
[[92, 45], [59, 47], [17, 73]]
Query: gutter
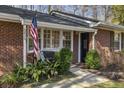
[[107, 26]]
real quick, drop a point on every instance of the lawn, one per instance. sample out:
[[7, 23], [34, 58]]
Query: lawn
[[110, 84]]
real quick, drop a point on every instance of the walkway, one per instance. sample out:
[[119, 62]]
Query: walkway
[[83, 79]]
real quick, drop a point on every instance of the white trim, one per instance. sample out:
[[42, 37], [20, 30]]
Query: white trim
[[79, 47], [10, 17], [72, 40], [108, 26], [61, 39], [120, 41], [50, 39], [24, 46], [28, 50], [93, 38], [51, 49], [42, 36], [60, 26]]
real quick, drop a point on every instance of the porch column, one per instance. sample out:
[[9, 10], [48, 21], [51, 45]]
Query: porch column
[[93, 38], [24, 47]]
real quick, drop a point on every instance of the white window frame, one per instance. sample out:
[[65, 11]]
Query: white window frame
[[71, 32], [42, 40], [50, 49], [120, 37], [60, 40]]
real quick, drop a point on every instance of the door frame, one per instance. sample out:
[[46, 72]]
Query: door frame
[[79, 46]]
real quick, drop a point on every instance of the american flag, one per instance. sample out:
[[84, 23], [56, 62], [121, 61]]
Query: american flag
[[34, 34]]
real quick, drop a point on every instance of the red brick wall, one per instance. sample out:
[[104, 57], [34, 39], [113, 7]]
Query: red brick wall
[[75, 47], [11, 45], [103, 46]]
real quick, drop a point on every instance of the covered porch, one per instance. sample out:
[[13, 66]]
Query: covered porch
[[53, 37]]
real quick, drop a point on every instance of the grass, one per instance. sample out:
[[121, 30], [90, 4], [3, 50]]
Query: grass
[[52, 80], [110, 84]]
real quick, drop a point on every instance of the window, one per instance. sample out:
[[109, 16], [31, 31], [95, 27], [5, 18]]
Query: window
[[55, 39], [117, 41], [30, 41], [67, 40], [122, 41], [47, 38], [51, 38]]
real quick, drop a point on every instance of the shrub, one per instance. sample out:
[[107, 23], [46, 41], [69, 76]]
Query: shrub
[[36, 72], [8, 80], [39, 70], [92, 59], [63, 60]]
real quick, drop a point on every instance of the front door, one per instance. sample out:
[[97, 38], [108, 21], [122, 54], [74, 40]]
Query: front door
[[84, 45]]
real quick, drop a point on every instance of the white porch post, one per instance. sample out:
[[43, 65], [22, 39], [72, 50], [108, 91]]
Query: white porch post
[[24, 47], [79, 47], [93, 38], [72, 40], [61, 39]]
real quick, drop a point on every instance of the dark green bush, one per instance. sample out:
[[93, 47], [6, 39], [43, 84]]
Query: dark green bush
[[63, 60], [92, 59]]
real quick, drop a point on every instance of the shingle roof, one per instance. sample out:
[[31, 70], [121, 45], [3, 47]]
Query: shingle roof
[[76, 16], [43, 17]]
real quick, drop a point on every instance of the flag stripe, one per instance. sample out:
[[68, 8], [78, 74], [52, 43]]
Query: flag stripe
[[34, 34]]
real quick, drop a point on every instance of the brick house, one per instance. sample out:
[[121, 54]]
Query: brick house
[[56, 30]]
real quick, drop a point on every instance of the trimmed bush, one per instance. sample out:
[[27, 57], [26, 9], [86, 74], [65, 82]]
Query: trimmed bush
[[92, 59], [63, 60]]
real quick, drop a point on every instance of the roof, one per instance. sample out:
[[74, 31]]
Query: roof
[[61, 18], [42, 17], [73, 15], [93, 23]]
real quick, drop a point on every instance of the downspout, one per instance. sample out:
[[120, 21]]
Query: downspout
[[94, 35], [94, 41]]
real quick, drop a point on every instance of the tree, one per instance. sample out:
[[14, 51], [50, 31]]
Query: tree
[[118, 11], [84, 9], [58, 7], [94, 11], [49, 8], [107, 12]]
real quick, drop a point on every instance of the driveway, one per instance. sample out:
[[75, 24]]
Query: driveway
[[83, 78]]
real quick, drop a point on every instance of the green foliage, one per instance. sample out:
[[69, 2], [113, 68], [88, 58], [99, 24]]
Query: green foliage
[[39, 70], [92, 59], [63, 60], [118, 11], [8, 80]]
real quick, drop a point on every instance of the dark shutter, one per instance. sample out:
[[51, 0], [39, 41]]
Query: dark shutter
[[122, 40], [111, 41]]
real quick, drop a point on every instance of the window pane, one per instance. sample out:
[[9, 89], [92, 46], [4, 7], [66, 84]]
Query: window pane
[[55, 39], [31, 44], [46, 38], [116, 41], [122, 41], [67, 40]]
